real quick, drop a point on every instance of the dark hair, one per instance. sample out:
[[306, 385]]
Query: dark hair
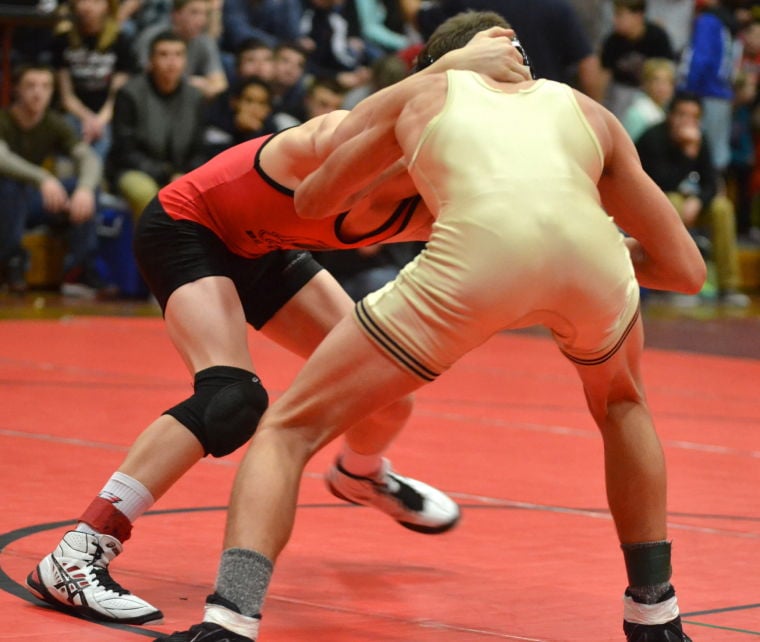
[[683, 96], [634, 6], [178, 5], [328, 82], [388, 70], [23, 69], [242, 84], [455, 33], [292, 45], [164, 36], [250, 44]]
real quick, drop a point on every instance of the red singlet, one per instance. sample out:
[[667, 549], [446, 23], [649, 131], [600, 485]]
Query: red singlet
[[253, 215]]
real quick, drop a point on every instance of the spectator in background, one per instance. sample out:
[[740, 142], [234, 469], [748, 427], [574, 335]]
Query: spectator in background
[[675, 16], [93, 59], [136, 15], [158, 125], [745, 141], [549, 29], [594, 18], [739, 170], [189, 21], [658, 81], [385, 71], [677, 157], [633, 40], [707, 69], [271, 21], [331, 36], [324, 95], [250, 115], [31, 137], [255, 60], [383, 28], [289, 78]]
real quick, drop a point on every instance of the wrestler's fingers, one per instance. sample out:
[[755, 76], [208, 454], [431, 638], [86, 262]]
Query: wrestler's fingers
[[495, 32]]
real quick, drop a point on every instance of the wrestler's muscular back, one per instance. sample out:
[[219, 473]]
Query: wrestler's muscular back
[[427, 99]]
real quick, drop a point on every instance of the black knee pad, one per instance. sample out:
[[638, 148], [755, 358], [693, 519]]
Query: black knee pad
[[225, 409]]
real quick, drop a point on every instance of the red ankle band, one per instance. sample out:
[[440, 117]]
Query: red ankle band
[[105, 518]]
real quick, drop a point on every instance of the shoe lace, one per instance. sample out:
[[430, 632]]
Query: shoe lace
[[103, 577]]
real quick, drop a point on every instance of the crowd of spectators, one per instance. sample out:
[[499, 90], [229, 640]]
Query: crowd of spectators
[[687, 101], [142, 91]]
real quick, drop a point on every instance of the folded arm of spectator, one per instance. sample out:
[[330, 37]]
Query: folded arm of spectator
[[14, 166]]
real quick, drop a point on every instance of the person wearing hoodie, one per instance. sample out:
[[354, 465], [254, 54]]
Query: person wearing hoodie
[[707, 69]]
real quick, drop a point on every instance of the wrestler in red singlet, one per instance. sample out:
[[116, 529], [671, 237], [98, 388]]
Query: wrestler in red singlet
[[253, 214]]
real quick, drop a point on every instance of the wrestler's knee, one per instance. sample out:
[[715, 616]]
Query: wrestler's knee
[[224, 410]]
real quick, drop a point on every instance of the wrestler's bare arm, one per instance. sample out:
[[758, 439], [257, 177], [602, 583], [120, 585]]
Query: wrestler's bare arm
[[368, 148], [348, 171], [664, 255], [295, 152]]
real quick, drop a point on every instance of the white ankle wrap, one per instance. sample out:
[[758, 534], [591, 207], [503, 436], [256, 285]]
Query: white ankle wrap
[[659, 613], [235, 622]]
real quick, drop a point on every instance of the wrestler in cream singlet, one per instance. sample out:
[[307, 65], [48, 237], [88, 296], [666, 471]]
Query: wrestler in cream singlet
[[519, 239]]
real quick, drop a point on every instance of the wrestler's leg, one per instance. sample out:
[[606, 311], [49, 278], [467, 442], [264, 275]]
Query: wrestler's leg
[[303, 322], [205, 321], [361, 474], [635, 476], [328, 395], [634, 462], [206, 324]]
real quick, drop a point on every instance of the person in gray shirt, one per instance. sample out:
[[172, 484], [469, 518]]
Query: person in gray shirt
[[189, 20]]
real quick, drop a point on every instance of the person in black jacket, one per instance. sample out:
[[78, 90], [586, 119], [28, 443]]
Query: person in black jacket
[[632, 41], [677, 156], [158, 126]]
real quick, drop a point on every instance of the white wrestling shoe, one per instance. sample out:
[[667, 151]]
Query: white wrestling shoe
[[412, 503], [74, 578]]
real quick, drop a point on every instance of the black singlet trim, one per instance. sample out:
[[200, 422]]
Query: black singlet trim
[[260, 170], [605, 357], [390, 346], [404, 211]]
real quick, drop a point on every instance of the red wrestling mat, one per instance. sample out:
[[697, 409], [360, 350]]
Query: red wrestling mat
[[505, 432]]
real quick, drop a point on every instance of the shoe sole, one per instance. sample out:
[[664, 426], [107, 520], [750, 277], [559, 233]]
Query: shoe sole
[[40, 592], [417, 528]]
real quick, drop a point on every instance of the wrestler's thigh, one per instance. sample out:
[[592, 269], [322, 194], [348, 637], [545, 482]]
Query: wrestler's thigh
[[617, 378], [346, 378], [206, 323], [302, 323]]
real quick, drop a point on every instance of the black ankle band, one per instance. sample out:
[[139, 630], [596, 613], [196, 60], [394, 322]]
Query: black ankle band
[[648, 563]]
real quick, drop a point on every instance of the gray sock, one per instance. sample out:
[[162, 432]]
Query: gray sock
[[243, 579]]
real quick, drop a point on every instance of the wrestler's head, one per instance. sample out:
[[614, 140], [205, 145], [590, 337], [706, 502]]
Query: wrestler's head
[[457, 31]]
